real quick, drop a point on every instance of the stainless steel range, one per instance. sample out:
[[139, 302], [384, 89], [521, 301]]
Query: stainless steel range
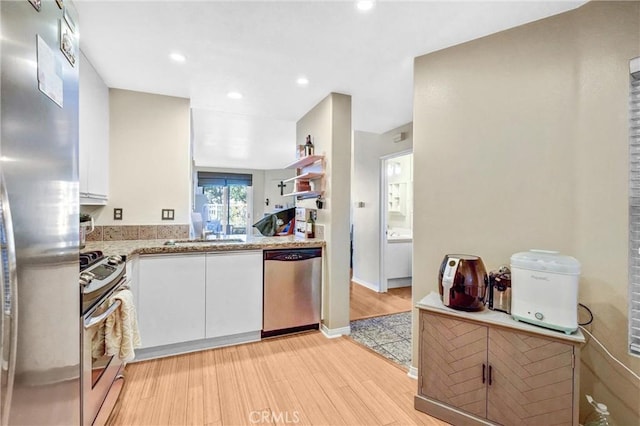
[[100, 278]]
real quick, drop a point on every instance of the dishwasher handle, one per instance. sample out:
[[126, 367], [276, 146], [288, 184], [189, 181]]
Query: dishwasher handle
[[292, 255]]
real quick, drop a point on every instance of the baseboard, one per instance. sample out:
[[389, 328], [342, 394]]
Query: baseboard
[[447, 413], [196, 345], [332, 333], [413, 372], [399, 282], [366, 284]]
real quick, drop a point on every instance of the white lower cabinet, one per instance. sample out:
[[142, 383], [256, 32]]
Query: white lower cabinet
[[198, 301], [234, 293], [171, 305]]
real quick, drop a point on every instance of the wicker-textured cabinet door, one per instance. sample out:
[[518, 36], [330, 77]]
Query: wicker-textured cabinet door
[[531, 381], [453, 361]]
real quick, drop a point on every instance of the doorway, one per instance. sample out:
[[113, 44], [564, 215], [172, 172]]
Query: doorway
[[396, 222], [382, 320], [392, 292]]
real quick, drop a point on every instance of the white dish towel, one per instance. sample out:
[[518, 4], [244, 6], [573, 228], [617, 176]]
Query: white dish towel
[[121, 328]]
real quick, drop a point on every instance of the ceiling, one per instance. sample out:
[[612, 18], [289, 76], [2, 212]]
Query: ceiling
[[259, 49]]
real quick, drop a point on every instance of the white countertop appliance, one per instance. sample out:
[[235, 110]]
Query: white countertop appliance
[[544, 289]]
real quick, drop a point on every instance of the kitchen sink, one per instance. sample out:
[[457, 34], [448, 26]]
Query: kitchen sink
[[196, 242]]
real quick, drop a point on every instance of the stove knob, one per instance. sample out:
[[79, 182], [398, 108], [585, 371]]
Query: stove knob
[[114, 260], [86, 278]]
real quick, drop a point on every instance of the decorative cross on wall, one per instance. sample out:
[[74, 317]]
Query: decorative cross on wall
[[282, 186]]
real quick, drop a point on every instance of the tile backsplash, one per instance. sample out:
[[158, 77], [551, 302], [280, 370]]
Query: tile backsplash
[[138, 232]]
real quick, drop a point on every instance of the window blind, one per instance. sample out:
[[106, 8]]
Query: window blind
[[634, 215], [224, 179]]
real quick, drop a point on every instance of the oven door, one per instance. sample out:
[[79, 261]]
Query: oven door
[[98, 369]]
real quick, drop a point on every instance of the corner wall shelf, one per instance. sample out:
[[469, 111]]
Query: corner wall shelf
[[304, 161], [304, 194], [306, 176], [309, 168]]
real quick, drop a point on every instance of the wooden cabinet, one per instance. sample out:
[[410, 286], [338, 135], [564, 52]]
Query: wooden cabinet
[[171, 306], [94, 136], [471, 372], [233, 293], [309, 179]]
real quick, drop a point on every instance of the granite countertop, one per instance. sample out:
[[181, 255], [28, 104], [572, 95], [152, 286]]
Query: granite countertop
[[433, 303], [130, 247]]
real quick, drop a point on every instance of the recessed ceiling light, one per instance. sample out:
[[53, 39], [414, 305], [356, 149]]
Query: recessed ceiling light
[[364, 5], [302, 81], [178, 57], [234, 95]]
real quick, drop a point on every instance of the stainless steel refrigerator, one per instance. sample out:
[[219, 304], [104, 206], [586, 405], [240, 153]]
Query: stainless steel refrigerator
[[40, 342]]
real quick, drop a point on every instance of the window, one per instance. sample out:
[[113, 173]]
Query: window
[[224, 205], [634, 212]]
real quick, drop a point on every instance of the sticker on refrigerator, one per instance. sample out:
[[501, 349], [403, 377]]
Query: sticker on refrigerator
[[36, 4], [68, 43], [70, 16], [49, 73]]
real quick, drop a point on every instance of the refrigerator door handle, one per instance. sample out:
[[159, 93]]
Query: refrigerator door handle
[[9, 323]]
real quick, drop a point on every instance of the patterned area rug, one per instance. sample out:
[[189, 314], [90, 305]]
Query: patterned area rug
[[389, 335]]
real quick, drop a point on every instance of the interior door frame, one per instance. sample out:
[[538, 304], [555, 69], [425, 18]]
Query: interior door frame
[[383, 286]]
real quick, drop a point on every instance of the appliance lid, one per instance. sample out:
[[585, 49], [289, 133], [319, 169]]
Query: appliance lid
[[463, 256], [545, 260]]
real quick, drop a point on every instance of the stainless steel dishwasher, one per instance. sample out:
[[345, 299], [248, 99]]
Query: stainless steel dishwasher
[[292, 290]]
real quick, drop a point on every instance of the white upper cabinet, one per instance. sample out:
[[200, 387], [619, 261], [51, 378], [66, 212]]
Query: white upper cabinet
[[94, 135]]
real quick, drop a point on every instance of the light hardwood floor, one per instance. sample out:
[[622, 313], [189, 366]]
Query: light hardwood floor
[[298, 379], [366, 303]]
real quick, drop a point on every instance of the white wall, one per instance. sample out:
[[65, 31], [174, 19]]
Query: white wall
[[521, 141], [272, 191], [149, 159], [329, 124], [368, 148]]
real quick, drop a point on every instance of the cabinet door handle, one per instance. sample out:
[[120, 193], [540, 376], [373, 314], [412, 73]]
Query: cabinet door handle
[[490, 374], [484, 368]]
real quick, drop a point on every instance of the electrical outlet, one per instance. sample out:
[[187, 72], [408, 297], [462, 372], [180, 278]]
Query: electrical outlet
[[319, 231], [117, 214], [168, 214]]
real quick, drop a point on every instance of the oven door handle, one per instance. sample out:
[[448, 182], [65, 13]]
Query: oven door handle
[[91, 321]]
